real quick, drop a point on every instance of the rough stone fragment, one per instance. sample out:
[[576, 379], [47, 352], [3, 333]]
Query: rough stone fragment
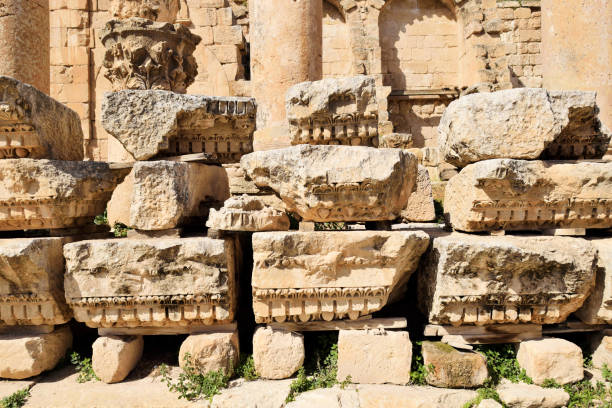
[[526, 195], [334, 111], [551, 358], [420, 207], [157, 10], [254, 394], [472, 279], [374, 356], [453, 368], [336, 183], [330, 275], [160, 195], [531, 396], [161, 123], [49, 194], [152, 282], [35, 125], [597, 309], [602, 354], [396, 140], [489, 403], [277, 354], [32, 282], [326, 397], [27, 356], [115, 356], [211, 352], [247, 213], [522, 123], [384, 396]]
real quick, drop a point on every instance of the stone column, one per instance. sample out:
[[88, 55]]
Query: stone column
[[24, 41], [286, 48]]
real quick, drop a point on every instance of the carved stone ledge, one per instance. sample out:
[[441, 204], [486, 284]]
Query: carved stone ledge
[[247, 213]]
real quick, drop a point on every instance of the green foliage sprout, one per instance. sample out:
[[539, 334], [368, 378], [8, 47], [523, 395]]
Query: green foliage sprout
[[120, 230], [191, 384], [246, 368], [84, 368], [16, 399]]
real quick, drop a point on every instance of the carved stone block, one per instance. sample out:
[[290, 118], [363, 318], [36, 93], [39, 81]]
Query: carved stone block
[[529, 195], [151, 283], [247, 213], [480, 280], [598, 307], [35, 125], [304, 276], [158, 123], [32, 282], [48, 194], [420, 207], [334, 111], [336, 183], [157, 10]]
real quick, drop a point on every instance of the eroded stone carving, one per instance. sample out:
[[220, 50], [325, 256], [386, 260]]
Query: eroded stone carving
[[142, 54], [152, 282], [420, 207], [471, 279], [157, 10], [160, 123], [35, 125], [518, 194], [247, 213], [336, 183], [306, 276], [334, 111], [598, 307], [396, 141]]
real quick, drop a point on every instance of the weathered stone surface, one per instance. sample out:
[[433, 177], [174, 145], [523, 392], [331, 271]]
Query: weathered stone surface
[[330, 275], [32, 282], [142, 54], [527, 195], [471, 279], [420, 207], [161, 123], [602, 354], [334, 111], [336, 183], [247, 213], [328, 398], [152, 282], [27, 356], [384, 396], [35, 125], [115, 356], [254, 394], [531, 396], [453, 368], [489, 403], [160, 195], [374, 356], [396, 140], [157, 10], [522, 123], [211, 352], [551, 358], [277, 354], [597, 309], [41, 194]]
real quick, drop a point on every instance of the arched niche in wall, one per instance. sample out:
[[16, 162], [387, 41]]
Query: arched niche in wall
[[337, 54]]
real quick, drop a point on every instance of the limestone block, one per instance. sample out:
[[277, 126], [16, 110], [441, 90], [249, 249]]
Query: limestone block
[[551, 358], [326, 275], [384, 396], [247, 213], [602, 354], [336, 183], [32, 282], [27, 356], [526, 195], [597, 309], [522, 123], [453, 368], [35, 125], [472, 279], [254, 394], [159, 195], [420, 207], [489, 403], [326, 397], [161, 123], [277, 354], [48, 194], [142, 54], [374, 356], [334, 111], [151, 283], [529, 396], [115, 356], [211, 352], [157, 10]]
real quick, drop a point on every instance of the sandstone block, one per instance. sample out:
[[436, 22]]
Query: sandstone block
[[529, 395], [27, 356], [151, 283], [420, 207], [602, 354], [374, 356], [527, 195], [160, 195], [453, 368], [384, 396], [115, 356], [247, 213], [277, 354], [597, 309], [211, 352], [471, 279], [551, 358], [336, 183], [159, 123], [35, 125], [329, 275]]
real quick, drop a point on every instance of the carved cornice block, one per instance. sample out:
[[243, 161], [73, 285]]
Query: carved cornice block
[[247, 213]]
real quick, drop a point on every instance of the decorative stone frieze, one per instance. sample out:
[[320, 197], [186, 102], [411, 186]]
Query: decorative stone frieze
[[396, 141], [598, 307], [247, 213], [156, 10]]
